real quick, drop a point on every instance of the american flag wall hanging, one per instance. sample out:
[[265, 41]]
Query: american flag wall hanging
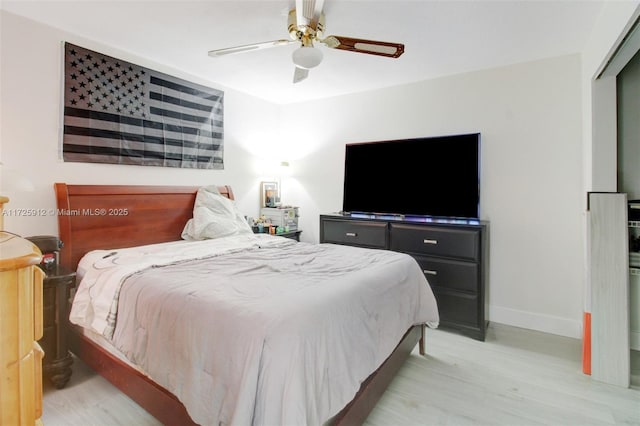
[[119, 112]]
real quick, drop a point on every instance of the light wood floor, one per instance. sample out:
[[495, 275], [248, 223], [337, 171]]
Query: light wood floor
[[516, 377]]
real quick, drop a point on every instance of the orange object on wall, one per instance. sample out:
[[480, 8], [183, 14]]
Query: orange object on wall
[[586, 343]]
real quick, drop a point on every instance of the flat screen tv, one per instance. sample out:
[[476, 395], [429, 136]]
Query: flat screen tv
[[430, 176]]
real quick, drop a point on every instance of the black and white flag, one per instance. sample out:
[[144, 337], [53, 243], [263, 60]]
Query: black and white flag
[[118, 112]]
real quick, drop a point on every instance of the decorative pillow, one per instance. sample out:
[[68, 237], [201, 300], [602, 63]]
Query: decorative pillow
[[214, 216]]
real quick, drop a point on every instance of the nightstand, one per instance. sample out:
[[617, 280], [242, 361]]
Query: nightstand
[[294, 235], [57, 286]]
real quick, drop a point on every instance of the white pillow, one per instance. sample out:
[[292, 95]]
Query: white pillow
[[214, 216]]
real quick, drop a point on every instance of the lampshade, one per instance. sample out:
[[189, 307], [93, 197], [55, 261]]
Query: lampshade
[[307, 57]]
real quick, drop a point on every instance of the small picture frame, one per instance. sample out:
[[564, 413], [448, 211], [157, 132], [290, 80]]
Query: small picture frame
[[269, 194]]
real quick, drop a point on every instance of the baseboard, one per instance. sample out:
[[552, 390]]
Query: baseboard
[[535, 321]]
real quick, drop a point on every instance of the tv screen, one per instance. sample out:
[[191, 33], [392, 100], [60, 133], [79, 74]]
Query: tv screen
[[431, 176]]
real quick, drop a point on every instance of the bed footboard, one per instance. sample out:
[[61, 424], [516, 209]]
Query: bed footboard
[[356, 412], [165, 407], [155, 399]]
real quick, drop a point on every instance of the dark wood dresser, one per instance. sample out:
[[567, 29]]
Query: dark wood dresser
[[453, 254], [57, 286]]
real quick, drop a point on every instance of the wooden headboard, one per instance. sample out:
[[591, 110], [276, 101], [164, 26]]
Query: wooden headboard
[[94, 217]]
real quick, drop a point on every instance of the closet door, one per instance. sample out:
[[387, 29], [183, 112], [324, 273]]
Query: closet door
[[608, 247]]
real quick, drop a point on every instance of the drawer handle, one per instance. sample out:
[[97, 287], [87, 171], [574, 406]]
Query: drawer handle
[[430, 241], [351, 234], [430, 272]]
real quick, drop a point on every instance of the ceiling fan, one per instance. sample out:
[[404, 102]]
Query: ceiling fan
[[306, 26]]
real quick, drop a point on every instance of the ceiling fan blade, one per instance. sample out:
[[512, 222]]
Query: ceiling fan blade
[[308, 12], [248, 47], [371, 47], [300, 74]]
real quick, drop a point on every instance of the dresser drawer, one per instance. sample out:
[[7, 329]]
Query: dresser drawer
[[355, 233], [451, 274], [435, 241], [457, 308]]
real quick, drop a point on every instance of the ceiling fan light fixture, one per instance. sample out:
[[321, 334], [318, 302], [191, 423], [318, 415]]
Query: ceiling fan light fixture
[[307, 57]]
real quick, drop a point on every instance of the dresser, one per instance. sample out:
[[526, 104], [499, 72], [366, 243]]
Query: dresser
[[453, 255], [20, 328]]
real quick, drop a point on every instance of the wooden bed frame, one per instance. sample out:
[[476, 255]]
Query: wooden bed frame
[[94, 217]]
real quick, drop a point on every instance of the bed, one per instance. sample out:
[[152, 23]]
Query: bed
[[94, 220]]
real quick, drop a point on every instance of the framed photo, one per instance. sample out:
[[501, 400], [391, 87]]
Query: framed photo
[[269, 194]]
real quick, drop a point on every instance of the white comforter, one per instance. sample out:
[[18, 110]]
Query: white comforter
[[256, 330]]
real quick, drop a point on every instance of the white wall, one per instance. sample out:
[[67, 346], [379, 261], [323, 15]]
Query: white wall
[[31, 75], [532, 171], [529, 116]]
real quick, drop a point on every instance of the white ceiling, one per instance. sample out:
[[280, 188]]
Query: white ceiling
[[440, 37]]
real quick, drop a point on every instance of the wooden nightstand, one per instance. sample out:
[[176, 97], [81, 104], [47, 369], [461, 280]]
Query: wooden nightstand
[[57, 286]]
